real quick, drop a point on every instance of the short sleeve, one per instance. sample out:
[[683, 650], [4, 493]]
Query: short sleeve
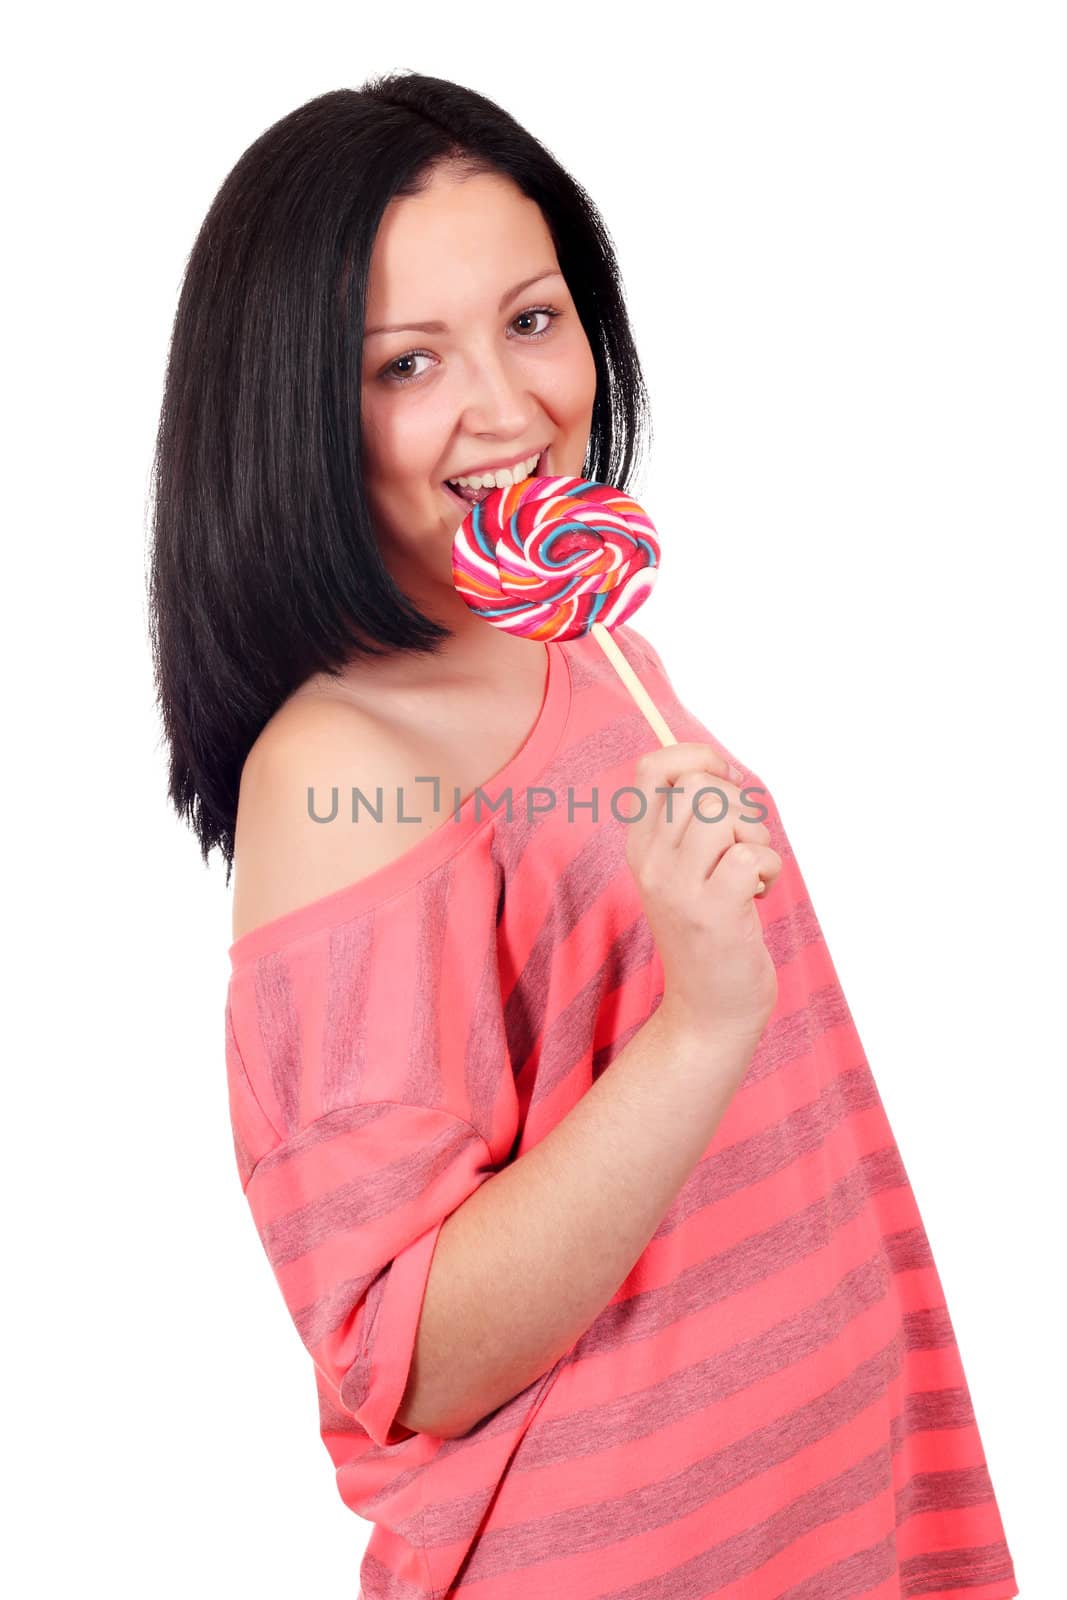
[[348, 1213], [371, 1094]]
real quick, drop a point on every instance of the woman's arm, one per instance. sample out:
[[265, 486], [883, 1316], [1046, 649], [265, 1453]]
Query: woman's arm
[[526, 1264]]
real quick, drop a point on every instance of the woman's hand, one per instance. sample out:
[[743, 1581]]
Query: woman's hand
[[697, 880]]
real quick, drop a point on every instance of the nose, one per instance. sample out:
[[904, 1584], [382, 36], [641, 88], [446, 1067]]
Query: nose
[[496, 399]]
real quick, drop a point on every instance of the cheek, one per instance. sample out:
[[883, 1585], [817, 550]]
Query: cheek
[[568, 388], [376, 447], [578, 389], [397, 455], [590, 375]]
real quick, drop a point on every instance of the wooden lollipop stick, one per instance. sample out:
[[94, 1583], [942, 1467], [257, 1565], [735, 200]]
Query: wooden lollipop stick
[[629, 677]]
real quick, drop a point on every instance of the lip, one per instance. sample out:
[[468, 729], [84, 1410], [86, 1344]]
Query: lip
[[496, 466]]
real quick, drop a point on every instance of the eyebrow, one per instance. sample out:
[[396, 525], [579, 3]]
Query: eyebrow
[[441, 327]]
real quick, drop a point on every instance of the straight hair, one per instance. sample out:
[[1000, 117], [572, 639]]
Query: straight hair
[[264, 567]]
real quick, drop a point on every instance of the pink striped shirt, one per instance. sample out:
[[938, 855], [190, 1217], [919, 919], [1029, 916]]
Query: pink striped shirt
[[772, 1404]]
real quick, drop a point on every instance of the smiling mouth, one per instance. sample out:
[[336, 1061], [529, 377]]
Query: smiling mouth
[[475, 497]]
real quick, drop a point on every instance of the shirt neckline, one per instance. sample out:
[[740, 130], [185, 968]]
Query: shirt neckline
[[434, 848]]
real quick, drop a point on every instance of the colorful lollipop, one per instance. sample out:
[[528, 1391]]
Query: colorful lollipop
[[555, 558]]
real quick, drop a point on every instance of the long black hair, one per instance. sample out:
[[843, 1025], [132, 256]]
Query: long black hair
[[264, 567]]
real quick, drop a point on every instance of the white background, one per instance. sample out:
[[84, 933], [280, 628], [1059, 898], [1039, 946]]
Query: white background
[[841, 232]]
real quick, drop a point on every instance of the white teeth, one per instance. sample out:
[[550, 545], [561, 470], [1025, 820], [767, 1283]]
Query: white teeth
[[503, 478]]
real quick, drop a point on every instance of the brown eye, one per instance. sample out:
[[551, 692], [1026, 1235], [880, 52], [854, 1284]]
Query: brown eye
[[390, 374], [536, 311]]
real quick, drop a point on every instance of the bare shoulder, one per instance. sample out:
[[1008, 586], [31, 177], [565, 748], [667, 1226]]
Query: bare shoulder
[[295, 840]]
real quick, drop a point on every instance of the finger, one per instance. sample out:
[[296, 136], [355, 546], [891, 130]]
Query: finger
[[709, 831], [769, 874], [666, 763], [675, 805], [745, 870]]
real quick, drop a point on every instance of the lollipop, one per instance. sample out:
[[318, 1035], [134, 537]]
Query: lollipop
[[555, 558]]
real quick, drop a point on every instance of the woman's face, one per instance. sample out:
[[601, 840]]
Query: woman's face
[[498, 380]]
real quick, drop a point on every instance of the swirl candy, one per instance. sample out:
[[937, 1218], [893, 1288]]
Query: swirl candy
[[550, 557], [555, 558]]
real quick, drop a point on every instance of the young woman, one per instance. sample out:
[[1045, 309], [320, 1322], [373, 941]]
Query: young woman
[[558, 1135]]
